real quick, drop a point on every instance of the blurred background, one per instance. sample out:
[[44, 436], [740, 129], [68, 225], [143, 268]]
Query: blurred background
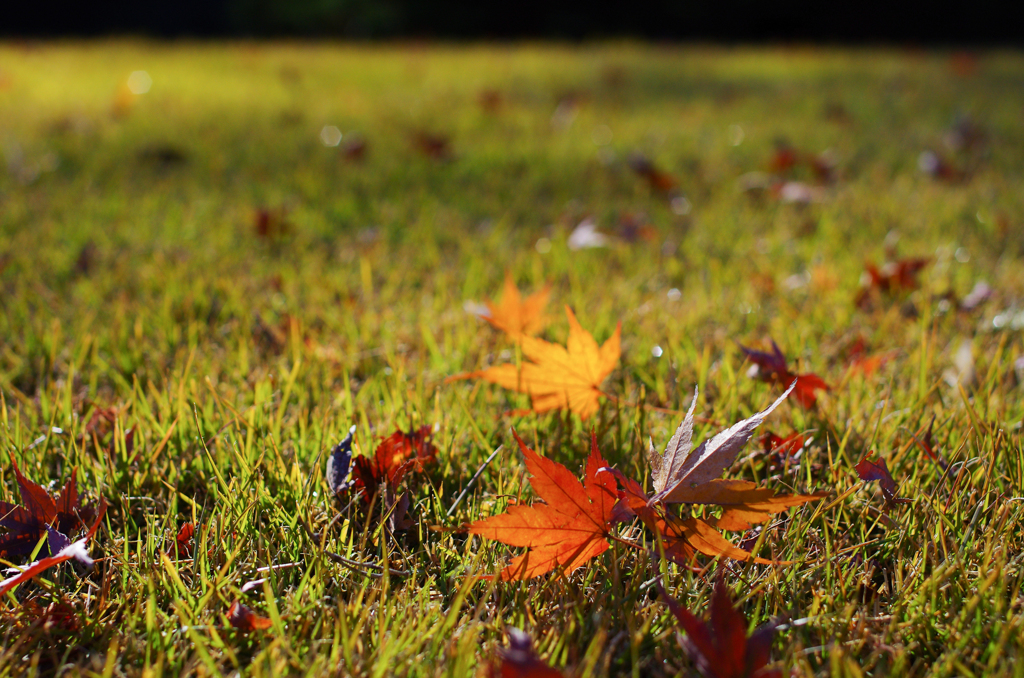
[[986, 22]]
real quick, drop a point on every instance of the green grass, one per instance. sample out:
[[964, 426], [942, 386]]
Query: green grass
[[140, 284]]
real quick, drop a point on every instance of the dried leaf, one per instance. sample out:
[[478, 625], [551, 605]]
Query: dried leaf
[[772, 368], [683, 537], [893, 277], [517, 316], [559, 377], [568, 529], [744, 503], [395, 455], [660, 181], [869, 470], [27, 525], [245, 620], [670, 463], [339, 463], [519, 660], [708, 461], [184, 542], [76, 550], [721, 648]]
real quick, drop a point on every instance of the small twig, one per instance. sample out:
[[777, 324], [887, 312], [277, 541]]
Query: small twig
[[282, 566], [356, 565], [472, 481]]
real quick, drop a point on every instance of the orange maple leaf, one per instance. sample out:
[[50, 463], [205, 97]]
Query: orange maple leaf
[[516, 316], [568, 529], [745, 504], [559, 377]]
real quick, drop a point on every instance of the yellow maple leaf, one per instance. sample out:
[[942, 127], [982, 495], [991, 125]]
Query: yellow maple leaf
[[559, 377], [516, 316]]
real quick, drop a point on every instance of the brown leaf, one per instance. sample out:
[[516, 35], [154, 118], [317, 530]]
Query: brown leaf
[[680, 468], [683, 537], [394, 456], [27, 525]]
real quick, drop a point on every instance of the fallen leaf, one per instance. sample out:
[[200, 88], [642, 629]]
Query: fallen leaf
[[519, 660], [433, 146], [927, 443], [682, 538], [772, 368], [184, 541], [568, 529], [76, 550], [559, 377], [869, 470], [745, 504], [270, 224], [720, 647], [784, 157], [660, 181], [27, 524], [681, 468], [355, 148], [782, 447], [516, 316], [395, 455], [891, 278], [245, 620], [938, 167], [339, 463], [586, 236]]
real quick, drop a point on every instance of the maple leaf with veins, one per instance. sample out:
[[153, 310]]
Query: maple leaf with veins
[[568, 529], [721, 647], [681, 468], [558, 377], [515, 316], [685, 475], [772, 368]]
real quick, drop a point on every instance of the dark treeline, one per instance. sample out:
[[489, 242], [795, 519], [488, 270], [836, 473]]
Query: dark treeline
[[982, 22]]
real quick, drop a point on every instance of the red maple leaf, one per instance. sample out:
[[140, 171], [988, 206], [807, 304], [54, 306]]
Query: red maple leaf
[[568, 529], [245, 620], [40, 514], [772, 368], [869, 470], [890, 278], [395, 455], [721, 648]]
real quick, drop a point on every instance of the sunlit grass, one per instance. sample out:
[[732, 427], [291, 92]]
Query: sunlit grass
[[132, 277]]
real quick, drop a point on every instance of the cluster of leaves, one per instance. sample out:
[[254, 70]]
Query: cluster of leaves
[[45, 522], [574, 522]]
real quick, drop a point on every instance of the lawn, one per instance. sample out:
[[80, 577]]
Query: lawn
[[203, 288]]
